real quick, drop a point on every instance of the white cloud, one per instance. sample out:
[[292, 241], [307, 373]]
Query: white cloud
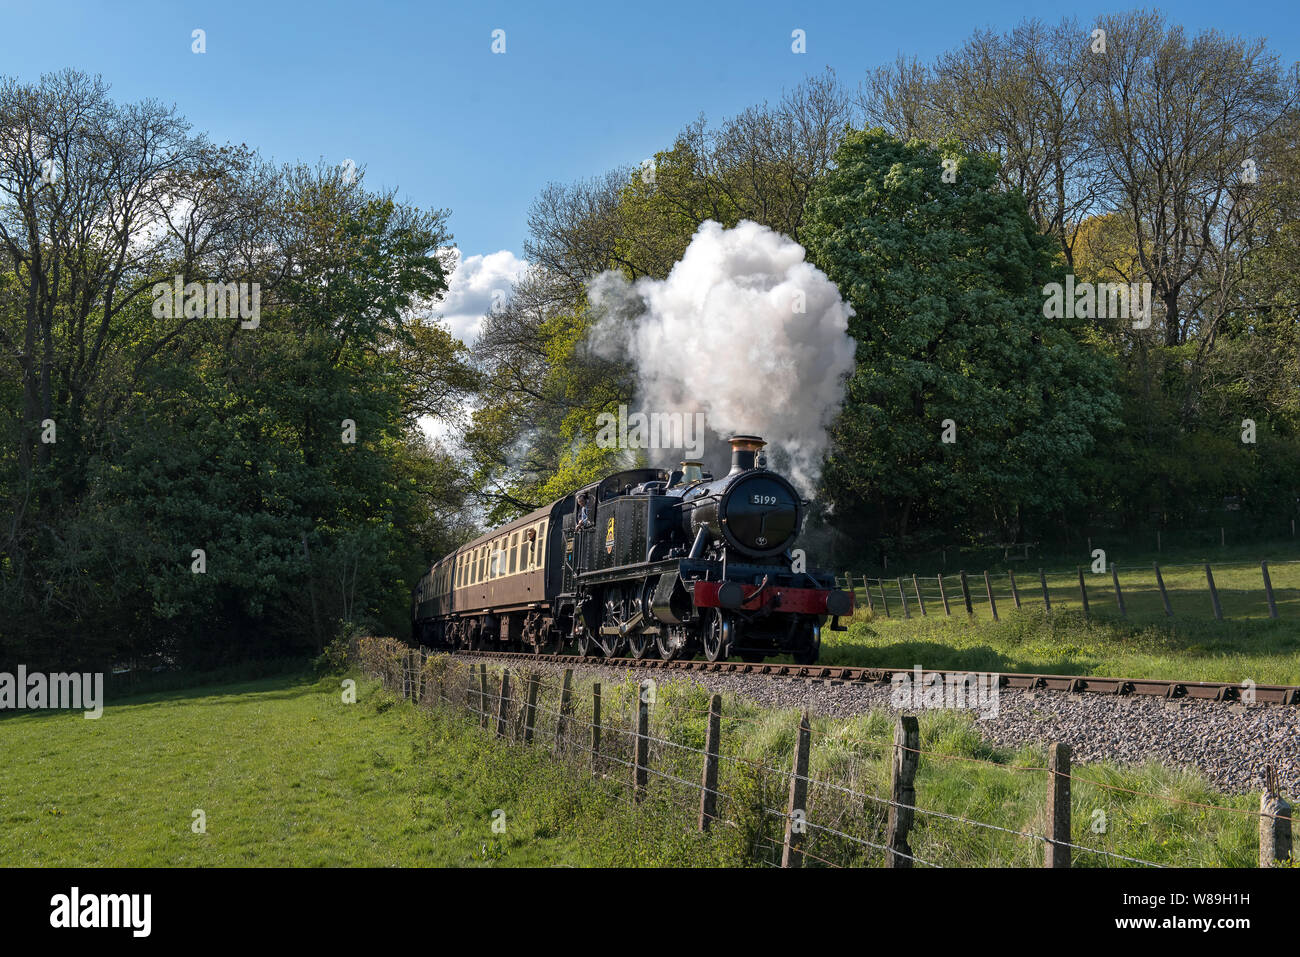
[[474, 284]]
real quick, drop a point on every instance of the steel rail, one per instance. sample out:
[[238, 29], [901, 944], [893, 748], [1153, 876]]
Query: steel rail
[[1094, 684]]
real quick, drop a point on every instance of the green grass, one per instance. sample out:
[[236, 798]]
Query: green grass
[[1266, 652], [289, 775], [960, 775], [1142, 643]]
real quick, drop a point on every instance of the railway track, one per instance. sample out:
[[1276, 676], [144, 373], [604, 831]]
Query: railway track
[[1079, 684]]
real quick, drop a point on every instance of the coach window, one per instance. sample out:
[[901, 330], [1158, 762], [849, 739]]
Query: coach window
[[514, 552]]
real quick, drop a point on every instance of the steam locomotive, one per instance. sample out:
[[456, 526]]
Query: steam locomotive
[[644, 562]]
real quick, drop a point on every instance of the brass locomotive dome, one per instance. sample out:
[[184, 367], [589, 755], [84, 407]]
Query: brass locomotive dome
[[761, 513]]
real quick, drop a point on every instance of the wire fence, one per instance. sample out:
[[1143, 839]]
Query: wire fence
[[1223, 590], [860, 807], [1225, 534]]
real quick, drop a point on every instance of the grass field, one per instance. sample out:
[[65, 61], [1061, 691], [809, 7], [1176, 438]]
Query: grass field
[[1240, 588], [1143, 643], [289, 775]]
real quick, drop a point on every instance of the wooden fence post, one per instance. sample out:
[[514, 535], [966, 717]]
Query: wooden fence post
[[1015, 594], [641, 761], [566, 692], [902, 596], [1057, 853], [916, 587], [1268, 590], [883, 600], [1274, 830], [1164, 595], [866, 586], [1047, 599], [791, 854], [902, 790], [1083, 592], [1214, 593], [595, 727], [988, 587], [530, 707], [504, 704], [709, 786], [483, 695], [1119, 595], [944, 596], [965, 593]]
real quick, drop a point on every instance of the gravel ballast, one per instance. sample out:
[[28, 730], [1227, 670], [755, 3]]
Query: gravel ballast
[[1231, 744]]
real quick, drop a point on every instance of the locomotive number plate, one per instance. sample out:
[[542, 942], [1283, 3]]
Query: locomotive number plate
[[762, 500]]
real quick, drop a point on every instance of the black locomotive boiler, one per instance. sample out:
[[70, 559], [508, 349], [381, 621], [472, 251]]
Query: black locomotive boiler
[[644, 562]]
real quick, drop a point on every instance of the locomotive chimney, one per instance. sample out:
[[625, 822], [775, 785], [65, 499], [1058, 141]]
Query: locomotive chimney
[[744, 449]]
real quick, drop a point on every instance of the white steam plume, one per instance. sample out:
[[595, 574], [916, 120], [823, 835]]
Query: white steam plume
[[743, 329]]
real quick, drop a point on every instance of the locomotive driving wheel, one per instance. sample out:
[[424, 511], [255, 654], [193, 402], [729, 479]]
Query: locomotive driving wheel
[[672, 642], [716, 636], [639, 644], [615, 615]]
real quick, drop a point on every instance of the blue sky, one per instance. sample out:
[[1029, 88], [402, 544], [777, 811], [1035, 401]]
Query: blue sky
[[413, 92]]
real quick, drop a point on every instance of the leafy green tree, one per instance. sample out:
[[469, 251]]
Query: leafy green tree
[[946, 280]]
